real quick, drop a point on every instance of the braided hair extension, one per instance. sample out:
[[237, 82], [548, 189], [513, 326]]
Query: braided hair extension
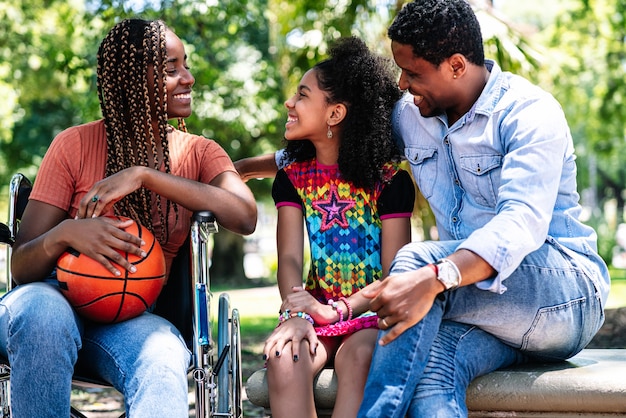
[[438, 29], [366, 84], [125, 56]]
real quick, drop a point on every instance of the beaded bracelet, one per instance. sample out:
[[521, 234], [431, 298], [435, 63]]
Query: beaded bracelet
[[288, 315], [345, 300], [336, 308]]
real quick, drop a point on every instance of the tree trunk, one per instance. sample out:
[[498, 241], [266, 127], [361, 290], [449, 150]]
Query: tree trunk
[[227, 260]]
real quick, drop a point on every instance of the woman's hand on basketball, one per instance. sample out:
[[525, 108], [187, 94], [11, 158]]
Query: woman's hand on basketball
[[103, 239], [105, 193], [294, 331]]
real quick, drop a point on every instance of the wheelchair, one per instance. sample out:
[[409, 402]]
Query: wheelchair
[[216, 365]]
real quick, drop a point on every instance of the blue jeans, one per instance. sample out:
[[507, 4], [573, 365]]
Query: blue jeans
[[145, 358], [550, 312]]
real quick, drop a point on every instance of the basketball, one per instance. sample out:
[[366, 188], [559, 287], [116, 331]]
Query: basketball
[[99, 295]]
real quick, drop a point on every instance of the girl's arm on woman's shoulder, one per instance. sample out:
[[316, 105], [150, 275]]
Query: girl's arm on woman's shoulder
[[260, 166]]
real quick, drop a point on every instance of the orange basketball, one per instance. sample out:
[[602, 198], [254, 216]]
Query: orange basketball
[[99, 295]]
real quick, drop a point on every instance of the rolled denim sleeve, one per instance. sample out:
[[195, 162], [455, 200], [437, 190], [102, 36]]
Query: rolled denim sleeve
[[537, 160]]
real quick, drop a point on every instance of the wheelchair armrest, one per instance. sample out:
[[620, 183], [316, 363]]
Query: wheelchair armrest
[[206, 219], [5, 235]]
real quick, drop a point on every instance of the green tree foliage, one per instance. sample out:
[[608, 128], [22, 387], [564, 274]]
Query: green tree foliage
[[247, 57], [43, 79], [588, 71], [237, 51]]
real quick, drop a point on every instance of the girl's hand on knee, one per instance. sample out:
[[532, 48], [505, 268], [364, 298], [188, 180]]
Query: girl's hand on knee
[[291, 332]]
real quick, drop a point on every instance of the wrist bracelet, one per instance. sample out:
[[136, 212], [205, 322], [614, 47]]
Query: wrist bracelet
[[345, 300], [288, 315]]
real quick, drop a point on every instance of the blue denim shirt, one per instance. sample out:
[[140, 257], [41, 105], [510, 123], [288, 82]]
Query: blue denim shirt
[[502, 178]]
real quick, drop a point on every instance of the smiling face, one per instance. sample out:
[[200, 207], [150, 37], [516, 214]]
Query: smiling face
[[429, 84], [179, 79], [308, 111]]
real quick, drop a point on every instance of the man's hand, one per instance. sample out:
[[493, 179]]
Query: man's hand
[[402, 300]]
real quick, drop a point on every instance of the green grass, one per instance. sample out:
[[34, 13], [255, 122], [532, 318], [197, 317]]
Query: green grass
[[258, 326]]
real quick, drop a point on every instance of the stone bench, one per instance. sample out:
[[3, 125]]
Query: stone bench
[[591, 384]]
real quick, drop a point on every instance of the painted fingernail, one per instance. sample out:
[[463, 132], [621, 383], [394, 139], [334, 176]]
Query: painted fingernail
[[278, 354], [295, 358], [264, 356], [133, 269]]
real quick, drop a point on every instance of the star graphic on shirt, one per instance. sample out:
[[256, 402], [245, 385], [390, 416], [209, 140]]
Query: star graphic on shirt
[[333, 210]]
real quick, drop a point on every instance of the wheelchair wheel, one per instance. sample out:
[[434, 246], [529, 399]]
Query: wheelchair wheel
[[235, 350], [223, 339], [229, 379]]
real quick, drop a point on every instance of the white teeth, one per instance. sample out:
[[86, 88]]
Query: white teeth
[[182, 96], [291, 119]]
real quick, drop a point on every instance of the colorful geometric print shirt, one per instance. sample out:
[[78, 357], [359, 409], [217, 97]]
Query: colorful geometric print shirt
[[343, 222]]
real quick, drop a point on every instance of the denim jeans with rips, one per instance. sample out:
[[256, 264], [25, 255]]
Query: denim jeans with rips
[[144, 358], [550, 312]]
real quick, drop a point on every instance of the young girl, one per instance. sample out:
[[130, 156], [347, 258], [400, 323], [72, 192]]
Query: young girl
[[131, 163], [356, 204]]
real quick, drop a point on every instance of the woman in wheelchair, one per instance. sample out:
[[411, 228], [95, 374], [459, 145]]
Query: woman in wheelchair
[[130, 163]]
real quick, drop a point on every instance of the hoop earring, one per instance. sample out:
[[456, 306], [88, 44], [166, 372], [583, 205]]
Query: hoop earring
[[329, 133]]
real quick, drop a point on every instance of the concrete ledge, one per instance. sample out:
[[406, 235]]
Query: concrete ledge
[[591, 384]]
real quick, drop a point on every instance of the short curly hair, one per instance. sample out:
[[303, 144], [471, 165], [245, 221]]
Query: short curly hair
[[367, 84], [438, 29]]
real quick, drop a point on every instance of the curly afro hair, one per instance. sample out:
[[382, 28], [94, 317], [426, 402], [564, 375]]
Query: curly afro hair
[[366, 84], [438, 29]]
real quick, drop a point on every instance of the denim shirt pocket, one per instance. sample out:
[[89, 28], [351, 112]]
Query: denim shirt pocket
[[481, 177], [423, 162]]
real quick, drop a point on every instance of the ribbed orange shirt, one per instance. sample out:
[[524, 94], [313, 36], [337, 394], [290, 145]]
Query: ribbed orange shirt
[[76, 160]]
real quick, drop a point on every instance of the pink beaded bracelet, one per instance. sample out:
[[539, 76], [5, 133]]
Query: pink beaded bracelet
[[345, 300]]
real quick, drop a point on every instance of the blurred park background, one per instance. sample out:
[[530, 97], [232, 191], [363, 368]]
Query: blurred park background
[[248, 55]]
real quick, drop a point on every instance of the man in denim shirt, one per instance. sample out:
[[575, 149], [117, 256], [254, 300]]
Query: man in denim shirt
[[515, 275]]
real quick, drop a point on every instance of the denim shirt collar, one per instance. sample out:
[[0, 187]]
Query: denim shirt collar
[[490, 95]]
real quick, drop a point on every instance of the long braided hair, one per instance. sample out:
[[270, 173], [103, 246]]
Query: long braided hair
[[125, 56]]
